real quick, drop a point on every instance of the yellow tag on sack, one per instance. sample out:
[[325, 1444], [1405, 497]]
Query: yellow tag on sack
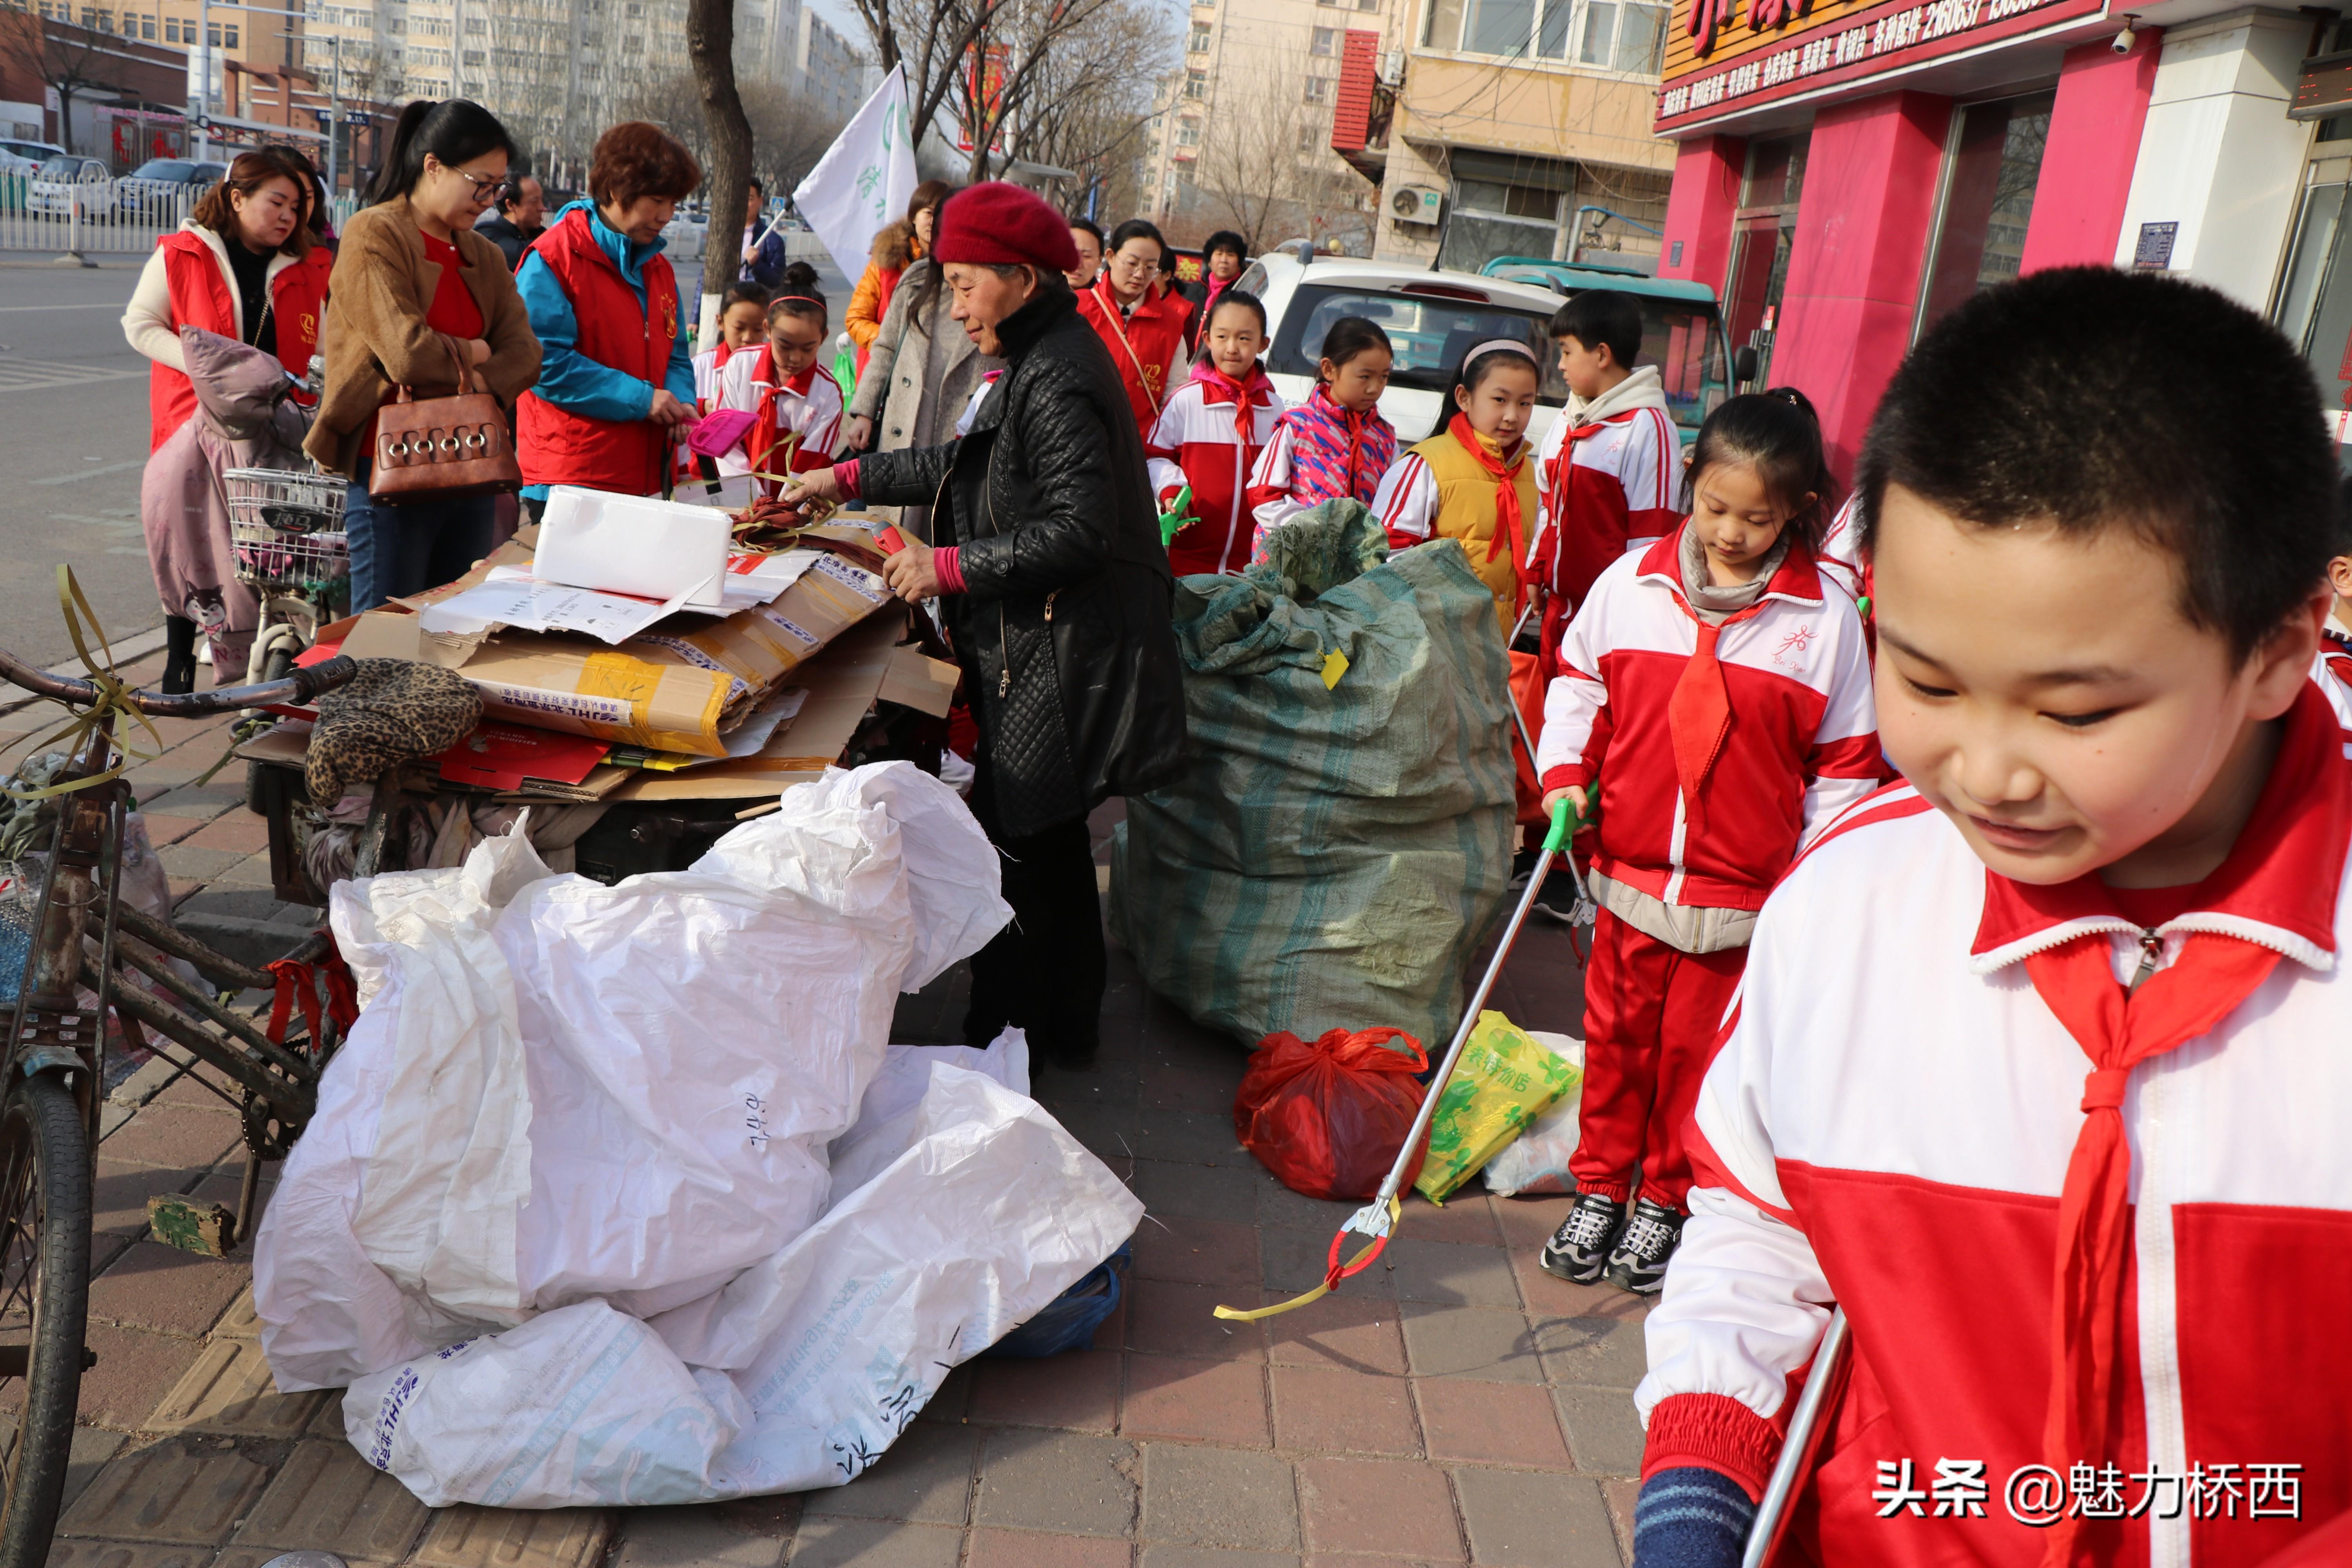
[[1335, 665]]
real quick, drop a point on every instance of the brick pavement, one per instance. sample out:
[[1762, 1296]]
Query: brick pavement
[[1454, 1405]]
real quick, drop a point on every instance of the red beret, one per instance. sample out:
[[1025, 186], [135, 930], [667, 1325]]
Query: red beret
[[1003, 224]]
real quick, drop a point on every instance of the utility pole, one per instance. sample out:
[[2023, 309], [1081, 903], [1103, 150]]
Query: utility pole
[[204, 81], [334, 112]]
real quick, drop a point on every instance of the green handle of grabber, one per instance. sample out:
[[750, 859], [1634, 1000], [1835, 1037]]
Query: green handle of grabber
[[1175, 517], [1564, 824]]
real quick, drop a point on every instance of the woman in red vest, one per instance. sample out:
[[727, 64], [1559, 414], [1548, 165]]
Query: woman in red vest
[[242, 266], [1141, 322], [422, 301], [618, 375]]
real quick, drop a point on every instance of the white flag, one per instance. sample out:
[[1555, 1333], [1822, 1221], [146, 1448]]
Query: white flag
[[865, 180]]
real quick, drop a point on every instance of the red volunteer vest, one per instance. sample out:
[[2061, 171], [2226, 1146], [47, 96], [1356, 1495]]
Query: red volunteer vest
[[558, 447], [1141, 345], [200, 297]]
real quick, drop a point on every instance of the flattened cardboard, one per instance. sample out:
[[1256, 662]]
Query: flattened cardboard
[[917, 680], [842, 684]]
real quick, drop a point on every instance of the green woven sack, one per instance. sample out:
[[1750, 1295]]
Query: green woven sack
[[1342, 838]]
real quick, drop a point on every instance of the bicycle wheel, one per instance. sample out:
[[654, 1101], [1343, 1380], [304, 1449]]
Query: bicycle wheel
[[45, 1218]]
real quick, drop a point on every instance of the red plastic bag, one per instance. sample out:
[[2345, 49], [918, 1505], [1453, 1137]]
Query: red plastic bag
[[1329, 1119]]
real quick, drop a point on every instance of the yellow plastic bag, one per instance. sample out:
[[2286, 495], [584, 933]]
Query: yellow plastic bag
[[1503, 1082]]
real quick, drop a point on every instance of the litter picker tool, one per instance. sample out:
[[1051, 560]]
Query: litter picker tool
[[1175, 517], [1376, 1221], [1586, 911], [1804, 1440]]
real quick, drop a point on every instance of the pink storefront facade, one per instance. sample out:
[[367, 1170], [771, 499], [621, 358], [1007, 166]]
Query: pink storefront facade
[[1846, 175]]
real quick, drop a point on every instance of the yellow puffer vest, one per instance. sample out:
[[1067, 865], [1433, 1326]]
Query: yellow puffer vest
[[1465, 510]]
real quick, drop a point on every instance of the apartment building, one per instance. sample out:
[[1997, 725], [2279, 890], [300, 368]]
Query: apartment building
[[1241, 138], [1515, 127]]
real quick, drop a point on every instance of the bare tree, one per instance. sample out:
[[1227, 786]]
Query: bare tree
[[928, 39], [790, 132], [727, 171], [1259, 167], [72, 62], [1083, 102]]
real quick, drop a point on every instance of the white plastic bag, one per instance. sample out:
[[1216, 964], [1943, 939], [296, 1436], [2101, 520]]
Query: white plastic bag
[[805, 1367], [558, 1091], [1536, 1162]]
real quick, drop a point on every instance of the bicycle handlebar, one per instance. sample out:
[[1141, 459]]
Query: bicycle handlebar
[[301, 686]]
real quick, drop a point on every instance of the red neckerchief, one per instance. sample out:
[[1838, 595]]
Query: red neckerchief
[[1247, 398], [762, 440], [1698, 710], [2282, 876], [1506, 488]]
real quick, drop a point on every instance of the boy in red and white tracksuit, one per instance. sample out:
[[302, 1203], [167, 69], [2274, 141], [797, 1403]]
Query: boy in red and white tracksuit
[[1608, 469], [1722, 728], [2038, 1069]]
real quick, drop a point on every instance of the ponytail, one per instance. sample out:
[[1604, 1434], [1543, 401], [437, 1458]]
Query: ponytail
[[1777, 433], [455, 130]]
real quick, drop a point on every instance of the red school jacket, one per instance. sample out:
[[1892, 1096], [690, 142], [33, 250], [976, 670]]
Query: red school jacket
[[1199, 441]]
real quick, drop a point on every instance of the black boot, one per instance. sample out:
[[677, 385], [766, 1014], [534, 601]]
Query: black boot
[[179, 654]]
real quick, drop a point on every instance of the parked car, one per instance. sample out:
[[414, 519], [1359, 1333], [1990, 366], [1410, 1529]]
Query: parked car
[[163, 180], [56, 182], [686, 233], [35, 153], [1682, 328], [1432, 319]]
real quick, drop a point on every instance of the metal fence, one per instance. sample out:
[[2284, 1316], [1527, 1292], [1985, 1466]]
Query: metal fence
[[89, 215]]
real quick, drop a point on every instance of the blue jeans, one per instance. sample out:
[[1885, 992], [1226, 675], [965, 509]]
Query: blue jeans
[[401, 550]]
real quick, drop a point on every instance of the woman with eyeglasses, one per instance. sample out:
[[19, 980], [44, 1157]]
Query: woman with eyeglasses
[[1139, 318], [420, 300], [619, 379]]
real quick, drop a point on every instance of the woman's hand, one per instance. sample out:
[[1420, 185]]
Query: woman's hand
[[911, 574], [1572, 794], [668, 410], [858, 432], [817, 484]]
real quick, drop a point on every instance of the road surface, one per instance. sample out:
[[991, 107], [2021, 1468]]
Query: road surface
[[73, 404]]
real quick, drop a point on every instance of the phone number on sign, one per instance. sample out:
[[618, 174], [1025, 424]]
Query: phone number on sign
[[2038, 1495]]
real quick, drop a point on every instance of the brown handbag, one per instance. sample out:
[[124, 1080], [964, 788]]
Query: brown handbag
[[443, 448]]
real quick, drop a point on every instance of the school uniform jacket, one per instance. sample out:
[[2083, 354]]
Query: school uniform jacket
[[1888, 1127], [2331, 671], [807, 405], [1803, 743], [1609, 474], [1196, 442]]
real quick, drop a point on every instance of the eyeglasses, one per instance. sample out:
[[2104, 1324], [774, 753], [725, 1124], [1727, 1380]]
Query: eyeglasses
[[487, 187]]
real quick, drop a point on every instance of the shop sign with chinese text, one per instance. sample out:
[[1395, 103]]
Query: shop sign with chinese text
[[1726, 55]]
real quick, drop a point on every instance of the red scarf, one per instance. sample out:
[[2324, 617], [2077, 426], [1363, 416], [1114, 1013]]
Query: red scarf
[[1247, 397], [1506, 489], [762, 441], [1698, 710], [2116, 1029]]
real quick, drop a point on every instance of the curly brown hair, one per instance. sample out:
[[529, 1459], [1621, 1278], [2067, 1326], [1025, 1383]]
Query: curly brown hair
[[217, 212], [634, 159]]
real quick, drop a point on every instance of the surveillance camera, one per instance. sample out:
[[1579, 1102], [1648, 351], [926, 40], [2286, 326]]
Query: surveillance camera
[[2124, 39]]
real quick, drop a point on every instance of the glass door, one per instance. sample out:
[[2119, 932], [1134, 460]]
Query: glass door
[[1764, 232], [2316, 298]]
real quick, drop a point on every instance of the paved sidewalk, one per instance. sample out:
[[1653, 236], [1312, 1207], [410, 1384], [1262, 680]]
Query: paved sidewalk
[[1455, 1406]]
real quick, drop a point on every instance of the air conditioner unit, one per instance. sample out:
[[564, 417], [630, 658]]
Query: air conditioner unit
[[1416, 204]]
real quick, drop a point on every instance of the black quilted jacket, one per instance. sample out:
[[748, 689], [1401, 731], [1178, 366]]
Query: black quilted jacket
[[1062, 629]]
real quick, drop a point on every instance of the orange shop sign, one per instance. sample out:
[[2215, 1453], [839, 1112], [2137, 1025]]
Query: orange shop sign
[[1724, 55]]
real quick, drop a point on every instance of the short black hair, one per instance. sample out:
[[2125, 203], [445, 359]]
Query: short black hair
[[757, 185], [1599, 316], [2062, 399], [1226, 239], [1090, 226]]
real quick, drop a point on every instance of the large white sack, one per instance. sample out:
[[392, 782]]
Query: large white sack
[[804, 1368], [560, 1091]]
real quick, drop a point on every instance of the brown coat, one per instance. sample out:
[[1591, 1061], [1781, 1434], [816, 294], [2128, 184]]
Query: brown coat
[[376, 340]]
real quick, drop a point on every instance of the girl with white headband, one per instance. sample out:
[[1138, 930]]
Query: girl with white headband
[[1473, 480]]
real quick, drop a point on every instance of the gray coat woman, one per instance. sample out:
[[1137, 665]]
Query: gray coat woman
[[919, 378]]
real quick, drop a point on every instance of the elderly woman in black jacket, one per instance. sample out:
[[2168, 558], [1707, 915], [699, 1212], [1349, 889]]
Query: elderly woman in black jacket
[[1047, 561]]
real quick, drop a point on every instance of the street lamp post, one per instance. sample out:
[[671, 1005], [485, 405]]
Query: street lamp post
[[203, 109]]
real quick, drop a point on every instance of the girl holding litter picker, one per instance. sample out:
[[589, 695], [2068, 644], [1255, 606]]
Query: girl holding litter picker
[[1473, 480], [1336, 444], [1208, 440], [1719, 695], [797, 402]]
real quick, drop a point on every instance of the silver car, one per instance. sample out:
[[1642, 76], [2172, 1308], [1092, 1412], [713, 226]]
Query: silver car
[[56, 183]]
